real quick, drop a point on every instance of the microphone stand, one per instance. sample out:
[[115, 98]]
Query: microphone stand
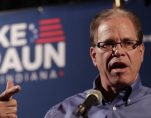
[[85, 115], [83, 111]]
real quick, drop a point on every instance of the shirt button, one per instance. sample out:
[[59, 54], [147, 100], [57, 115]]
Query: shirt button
[[129, 100], [114, 108]]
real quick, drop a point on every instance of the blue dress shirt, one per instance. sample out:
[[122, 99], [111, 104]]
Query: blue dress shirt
[[138, 105]]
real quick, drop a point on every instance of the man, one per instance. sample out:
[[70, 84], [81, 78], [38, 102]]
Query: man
[[8, 105], [117, 51]]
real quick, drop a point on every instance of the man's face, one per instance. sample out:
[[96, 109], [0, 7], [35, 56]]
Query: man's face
[[118, 66]]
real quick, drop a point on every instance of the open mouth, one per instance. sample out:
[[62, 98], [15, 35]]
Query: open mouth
[[118, 65]]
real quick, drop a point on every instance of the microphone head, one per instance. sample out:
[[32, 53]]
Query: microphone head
[[95, 93]]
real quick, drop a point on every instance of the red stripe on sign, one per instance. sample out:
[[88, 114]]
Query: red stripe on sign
[[49, 21], [50, 27], [52, 33], [50, 40]]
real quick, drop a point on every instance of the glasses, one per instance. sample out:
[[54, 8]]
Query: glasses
[[125, 44]]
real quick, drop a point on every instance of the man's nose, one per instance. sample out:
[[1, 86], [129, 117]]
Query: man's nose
[[118, 50]]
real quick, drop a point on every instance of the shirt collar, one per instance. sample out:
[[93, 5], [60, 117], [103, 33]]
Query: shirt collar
[[127, 92]]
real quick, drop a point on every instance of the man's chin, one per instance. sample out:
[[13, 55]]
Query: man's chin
[[121, 79]]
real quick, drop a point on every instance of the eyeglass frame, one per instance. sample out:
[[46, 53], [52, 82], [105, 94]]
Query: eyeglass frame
[[114, 44]]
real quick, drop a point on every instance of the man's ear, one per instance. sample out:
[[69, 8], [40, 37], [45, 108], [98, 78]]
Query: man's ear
[[142, 50], [93, 55]]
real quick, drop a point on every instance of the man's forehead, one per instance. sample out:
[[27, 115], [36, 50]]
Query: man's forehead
[[123, 27]]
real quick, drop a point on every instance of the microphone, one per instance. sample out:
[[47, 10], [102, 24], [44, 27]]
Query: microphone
[[93, 98]]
